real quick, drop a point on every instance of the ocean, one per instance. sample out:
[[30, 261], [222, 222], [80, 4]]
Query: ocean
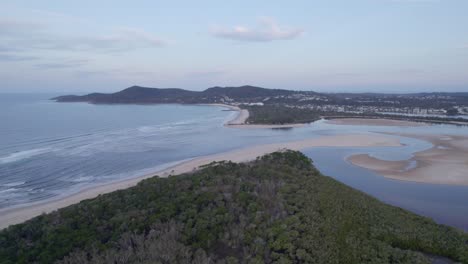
[[49, 150]]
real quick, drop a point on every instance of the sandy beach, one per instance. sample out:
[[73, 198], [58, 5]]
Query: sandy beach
[[240, 119], [445, 163], [374, 122], [18, 215]]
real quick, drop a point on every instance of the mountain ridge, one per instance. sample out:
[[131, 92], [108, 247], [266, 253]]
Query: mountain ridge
[[140, 94]]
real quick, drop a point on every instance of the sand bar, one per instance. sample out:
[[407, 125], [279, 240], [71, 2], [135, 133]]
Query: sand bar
[[445, 163], [374, 122], [18, 215]]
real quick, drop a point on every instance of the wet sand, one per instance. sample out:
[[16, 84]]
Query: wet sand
[[445, 163], [374, 122], [17, 215], [254, 126]]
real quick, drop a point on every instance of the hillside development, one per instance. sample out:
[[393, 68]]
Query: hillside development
[[279, 106]]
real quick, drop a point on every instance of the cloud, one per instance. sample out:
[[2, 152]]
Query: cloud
[[268, 30], [13, 57], [17, 35], [206, 74], [62, 64], [11, 27]]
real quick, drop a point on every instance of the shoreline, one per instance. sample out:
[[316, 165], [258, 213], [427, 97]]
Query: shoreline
[[374, 122], [243, 114], [343, 120], [11, 216], [446, 162]]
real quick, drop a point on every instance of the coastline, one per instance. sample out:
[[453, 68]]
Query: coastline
[[11, 216], [374, 122], [243, 114], [446, 162], [391, 121]]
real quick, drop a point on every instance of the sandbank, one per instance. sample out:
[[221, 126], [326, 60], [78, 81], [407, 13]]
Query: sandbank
[[445, 163], [374, 122], [12, 216]]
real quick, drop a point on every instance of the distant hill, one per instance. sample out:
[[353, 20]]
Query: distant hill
[[145, 95], [247, 94]]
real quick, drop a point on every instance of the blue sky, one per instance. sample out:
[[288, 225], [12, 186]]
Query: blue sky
[[330, 46]]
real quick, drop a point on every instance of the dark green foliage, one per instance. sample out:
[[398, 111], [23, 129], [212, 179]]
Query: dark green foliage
[[145, 95], [279, 115], [277, 209]]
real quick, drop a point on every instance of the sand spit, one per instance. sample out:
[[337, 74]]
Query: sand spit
[[445, 163], [18, 215]]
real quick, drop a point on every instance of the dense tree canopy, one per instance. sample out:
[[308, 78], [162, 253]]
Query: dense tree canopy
[[277, 209]]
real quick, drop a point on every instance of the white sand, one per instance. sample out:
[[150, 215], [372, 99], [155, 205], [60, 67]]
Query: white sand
[[18, 215], [445, 163], [240, 118]]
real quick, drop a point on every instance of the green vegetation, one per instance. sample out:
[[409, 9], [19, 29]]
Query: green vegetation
[[280, 115], [277, 209]]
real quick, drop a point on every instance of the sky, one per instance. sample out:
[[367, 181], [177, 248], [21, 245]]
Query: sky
[[327, 46]]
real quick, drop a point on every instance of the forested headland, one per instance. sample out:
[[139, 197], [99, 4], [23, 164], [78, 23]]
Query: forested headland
[[276, 209]]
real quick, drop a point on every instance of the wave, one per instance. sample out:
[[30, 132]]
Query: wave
[[83, 179], [13, 184], [21, 155], [8, 190]]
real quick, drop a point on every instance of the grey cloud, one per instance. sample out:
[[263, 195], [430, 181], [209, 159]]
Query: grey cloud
[[206, 74], [29, 36], [12, 27], [62, 64], [114, 72], [268, 30], [13, 57]]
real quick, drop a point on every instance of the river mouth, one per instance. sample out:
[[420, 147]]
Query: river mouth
[[82, 145]]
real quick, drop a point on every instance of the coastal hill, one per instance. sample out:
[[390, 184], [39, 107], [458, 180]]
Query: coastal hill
[[276, 209], [434, 104], [145, 95], [279, 106]]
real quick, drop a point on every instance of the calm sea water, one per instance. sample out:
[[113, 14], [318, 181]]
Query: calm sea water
[[50, 149]]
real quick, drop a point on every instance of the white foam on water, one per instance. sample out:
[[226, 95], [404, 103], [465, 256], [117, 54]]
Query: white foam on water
[[13, 184], [21, 155], [8, 190], [83, 179]]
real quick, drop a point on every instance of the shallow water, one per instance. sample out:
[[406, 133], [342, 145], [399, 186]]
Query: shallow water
[[49, 149]]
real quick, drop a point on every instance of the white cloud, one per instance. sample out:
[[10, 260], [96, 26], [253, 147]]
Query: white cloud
[[268, 30], [17, 35]]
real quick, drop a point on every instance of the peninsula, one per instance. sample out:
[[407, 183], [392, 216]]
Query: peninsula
[[275, 209], [285, 107]]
